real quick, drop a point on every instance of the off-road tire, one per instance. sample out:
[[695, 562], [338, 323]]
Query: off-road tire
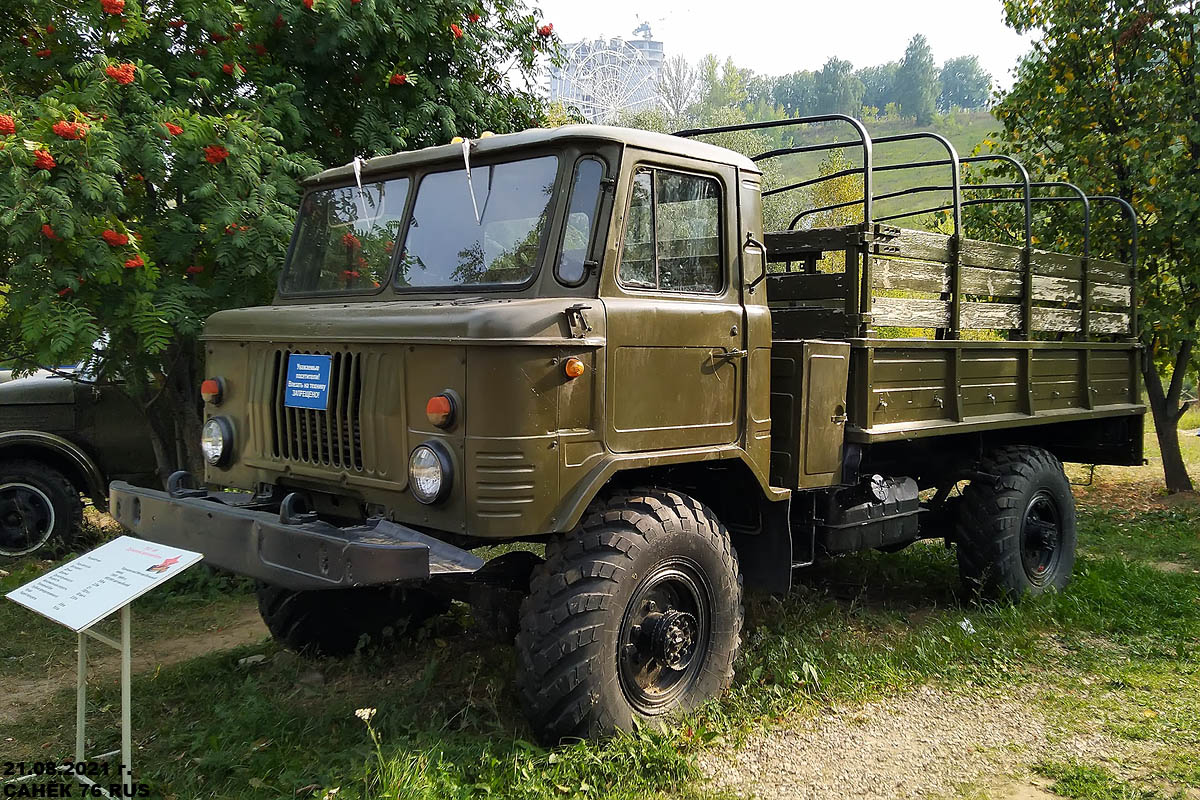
[[992, 524], [334, 622], [46, 484], [568, 664]]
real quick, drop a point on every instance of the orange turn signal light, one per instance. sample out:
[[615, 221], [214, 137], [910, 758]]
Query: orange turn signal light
[[211, 390], [440, 410], [574, 367]]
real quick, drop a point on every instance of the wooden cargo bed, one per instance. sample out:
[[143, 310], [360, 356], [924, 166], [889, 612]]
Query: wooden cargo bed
[[943, 337], [911, 334]]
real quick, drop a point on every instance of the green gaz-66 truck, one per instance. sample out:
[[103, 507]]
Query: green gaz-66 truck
[[584, 338]]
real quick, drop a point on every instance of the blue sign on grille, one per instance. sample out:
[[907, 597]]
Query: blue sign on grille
[[307, 381]]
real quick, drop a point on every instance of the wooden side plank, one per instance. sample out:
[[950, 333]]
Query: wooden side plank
[[805, 286], [926, 246], [1109, 271], [926, 276], [922, 246], [905, 312], [1106, 294], [910, 274], [991, 255], [908, 312]]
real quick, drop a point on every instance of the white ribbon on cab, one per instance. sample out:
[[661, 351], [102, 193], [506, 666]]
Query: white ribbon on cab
[[362, 203], [466, 150]]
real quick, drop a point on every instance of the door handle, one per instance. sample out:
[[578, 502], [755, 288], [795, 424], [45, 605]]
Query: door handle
[[731, 354]]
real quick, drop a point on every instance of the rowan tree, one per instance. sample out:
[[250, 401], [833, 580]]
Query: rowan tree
[[151, 153]]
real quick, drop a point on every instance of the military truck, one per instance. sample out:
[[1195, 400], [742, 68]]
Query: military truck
[[584, 338], [63, 435]]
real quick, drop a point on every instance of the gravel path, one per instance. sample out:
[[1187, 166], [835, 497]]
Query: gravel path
[[926, 742]]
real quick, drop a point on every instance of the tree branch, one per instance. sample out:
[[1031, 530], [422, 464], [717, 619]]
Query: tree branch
[[1182, 359]]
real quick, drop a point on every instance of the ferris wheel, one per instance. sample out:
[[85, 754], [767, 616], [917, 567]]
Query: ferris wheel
[[605, 78]]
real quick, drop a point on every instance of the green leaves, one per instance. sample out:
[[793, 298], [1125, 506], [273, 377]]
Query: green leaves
[[201, 117]]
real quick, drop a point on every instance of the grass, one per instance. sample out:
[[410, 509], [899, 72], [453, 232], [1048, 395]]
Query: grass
[[1117, 654], [1088, 782]]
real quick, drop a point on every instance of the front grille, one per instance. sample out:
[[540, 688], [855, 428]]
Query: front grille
[[332, 437]]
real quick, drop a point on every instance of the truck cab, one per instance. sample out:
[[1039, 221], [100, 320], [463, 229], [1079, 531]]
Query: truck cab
[[583, 338], [408, 293]]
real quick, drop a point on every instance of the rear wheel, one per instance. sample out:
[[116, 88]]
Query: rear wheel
[[336, 622], [636, 615], [39, 509], [1016, 535]]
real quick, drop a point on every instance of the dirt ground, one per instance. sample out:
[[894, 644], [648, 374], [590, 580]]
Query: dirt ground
[[23, 696], [926, 743]]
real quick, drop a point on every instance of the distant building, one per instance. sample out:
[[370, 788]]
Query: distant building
[[604, 77]]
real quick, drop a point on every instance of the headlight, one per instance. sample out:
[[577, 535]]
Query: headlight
[[429, 472], [216, 441]]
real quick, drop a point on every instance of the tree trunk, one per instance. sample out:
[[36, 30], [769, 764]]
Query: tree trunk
[[175, 414], [1167, 410]]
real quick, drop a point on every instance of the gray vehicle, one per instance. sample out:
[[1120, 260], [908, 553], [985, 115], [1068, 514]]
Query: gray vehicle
[[61, 438]]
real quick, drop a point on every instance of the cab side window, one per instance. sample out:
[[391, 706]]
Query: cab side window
[[673, 233]]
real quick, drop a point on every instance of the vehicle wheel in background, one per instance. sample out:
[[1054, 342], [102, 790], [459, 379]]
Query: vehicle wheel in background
[[1016, 536], [333, 622], [636, 614], [39, 509]]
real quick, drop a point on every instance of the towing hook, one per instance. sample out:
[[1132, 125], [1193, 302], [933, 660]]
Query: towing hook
[[294, 510], [181, 484]]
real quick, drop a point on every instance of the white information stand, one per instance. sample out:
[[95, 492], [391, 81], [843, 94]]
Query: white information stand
[[92, 587]]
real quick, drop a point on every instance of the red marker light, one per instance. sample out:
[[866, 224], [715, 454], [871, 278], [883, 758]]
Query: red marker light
[[440, 410], [211, 390]]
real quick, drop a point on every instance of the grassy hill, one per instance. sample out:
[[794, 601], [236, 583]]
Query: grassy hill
[[965, 130]]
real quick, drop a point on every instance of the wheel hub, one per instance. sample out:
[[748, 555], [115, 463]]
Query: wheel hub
[[664, 635], [1041, 538], [26, 518], [671, 637]]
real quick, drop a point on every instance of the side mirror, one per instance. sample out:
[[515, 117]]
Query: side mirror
[[754, 262]]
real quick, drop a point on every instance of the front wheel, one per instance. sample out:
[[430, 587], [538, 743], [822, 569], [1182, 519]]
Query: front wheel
[[636, 615], [1016, 534]]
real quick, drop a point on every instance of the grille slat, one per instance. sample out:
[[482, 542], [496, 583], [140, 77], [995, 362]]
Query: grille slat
[[331, 437]]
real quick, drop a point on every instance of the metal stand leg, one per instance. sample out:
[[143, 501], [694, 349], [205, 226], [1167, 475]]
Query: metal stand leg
[[81, 701], [126, 701]]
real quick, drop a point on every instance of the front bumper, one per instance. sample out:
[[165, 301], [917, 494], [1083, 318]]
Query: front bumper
[[237, 534]]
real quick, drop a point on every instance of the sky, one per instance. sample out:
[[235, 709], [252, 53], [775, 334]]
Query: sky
[[775, 37]]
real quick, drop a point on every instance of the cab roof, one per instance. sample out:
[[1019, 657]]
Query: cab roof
[[648, 140]]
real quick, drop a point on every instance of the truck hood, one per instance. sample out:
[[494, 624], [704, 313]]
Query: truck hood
[[462, 321], [37, 389]]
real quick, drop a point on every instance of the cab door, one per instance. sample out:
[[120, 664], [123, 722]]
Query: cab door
[[676, 353]]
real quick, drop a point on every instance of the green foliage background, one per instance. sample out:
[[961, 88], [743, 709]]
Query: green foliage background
[[1109, 99], [281, 87]]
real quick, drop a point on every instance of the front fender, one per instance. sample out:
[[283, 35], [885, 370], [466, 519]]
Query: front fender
[[31, 443], [575, 502]]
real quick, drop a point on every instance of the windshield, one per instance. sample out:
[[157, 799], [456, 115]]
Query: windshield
[[345, 239], [495, 240]]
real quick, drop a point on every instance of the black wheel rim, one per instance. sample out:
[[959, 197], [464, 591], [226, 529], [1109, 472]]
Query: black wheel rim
[[26, 518], [664, 635], [1041, 539]]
